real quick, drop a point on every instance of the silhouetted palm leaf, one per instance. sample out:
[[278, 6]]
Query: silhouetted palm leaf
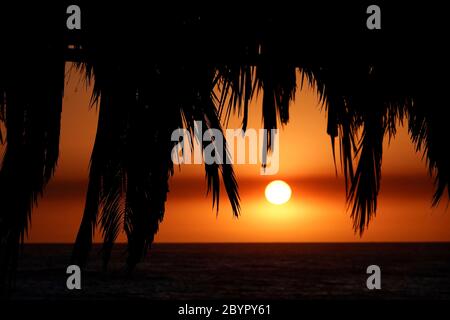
[[31, 110]]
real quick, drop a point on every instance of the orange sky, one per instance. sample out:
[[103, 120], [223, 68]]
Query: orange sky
[[315, 213]]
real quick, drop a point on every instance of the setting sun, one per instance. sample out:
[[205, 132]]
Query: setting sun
[[278, 192]]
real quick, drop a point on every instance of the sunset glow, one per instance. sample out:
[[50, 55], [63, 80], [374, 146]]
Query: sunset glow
[[316, 211]]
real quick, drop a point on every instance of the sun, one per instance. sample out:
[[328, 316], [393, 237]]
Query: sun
[[278, 192]]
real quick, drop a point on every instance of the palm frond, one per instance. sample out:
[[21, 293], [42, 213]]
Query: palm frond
[[428, 130], [365, 184], [31, 110]]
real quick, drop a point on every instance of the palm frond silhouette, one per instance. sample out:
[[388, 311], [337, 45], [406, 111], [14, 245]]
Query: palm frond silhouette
[[146, 89]]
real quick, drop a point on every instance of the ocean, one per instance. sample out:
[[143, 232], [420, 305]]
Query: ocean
[[278, 271]]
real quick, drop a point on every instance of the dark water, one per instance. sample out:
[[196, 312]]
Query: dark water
[[244, 271]]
